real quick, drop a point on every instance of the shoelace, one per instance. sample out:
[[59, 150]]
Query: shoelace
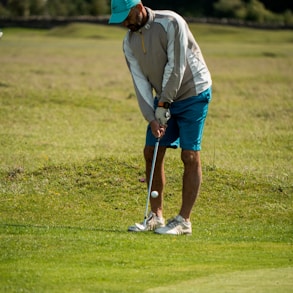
[[150, 217], [173, 222]]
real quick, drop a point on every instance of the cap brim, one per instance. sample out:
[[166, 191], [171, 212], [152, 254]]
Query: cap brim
[[119, 17]]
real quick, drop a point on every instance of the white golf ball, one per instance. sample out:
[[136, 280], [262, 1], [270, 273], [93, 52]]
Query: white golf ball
[[155, 194]]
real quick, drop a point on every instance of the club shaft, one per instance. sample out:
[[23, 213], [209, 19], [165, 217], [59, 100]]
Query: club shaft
[[151, 180]]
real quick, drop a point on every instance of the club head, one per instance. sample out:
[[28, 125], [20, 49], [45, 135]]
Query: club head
[[138, 228]]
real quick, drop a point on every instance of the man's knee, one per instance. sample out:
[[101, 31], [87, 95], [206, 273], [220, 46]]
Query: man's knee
[[190, 157], [149, 153]]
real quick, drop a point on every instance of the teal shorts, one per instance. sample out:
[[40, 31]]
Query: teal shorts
[[185, 127]]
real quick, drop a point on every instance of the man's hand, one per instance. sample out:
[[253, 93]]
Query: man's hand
[[157, 129], [162, 115]]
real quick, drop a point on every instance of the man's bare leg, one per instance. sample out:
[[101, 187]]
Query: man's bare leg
[[192, 178]]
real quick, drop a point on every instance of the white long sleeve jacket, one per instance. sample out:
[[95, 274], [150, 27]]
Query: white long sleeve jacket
[[165, 60]]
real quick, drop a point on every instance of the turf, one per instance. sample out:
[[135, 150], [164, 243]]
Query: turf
[[71, 140], [261, 281]]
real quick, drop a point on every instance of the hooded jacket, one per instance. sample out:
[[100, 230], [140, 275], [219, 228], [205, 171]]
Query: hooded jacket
[[164, 60]]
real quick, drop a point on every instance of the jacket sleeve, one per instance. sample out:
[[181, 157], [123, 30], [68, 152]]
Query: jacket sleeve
[[177, 35], [143, 88]]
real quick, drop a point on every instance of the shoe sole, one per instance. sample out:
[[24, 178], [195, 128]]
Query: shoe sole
[[166, 233], [188, 234]]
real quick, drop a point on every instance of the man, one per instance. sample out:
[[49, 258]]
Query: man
[[164, 58]]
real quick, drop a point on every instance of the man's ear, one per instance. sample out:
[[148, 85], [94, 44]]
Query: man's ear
[[139, 6]]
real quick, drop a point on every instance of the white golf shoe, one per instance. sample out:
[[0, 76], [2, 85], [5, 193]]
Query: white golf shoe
[[176, 226], [153, 222]]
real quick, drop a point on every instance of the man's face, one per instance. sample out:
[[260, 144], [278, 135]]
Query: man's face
[[134, 20]]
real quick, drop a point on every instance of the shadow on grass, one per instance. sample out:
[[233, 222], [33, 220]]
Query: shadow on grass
[[62, 227]]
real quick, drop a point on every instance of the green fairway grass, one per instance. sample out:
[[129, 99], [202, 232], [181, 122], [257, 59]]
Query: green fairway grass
[[71, 141], [261, 281]]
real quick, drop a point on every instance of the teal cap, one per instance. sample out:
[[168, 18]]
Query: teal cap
[[120, 9]]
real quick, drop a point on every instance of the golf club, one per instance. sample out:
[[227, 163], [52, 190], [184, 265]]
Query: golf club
[[151, 180]]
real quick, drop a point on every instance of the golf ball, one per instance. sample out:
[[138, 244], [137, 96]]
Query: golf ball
[[155, 194]]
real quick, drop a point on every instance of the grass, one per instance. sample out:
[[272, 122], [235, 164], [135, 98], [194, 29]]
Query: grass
[[71, 140]]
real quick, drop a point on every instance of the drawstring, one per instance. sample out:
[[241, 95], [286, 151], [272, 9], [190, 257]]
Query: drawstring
[[142, 42]]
